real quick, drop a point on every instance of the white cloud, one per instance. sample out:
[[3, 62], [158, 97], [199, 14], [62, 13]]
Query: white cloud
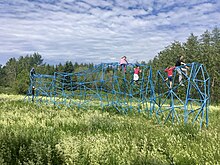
[[100, 31]]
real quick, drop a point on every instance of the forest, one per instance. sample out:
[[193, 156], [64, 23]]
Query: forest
[[204, 49]]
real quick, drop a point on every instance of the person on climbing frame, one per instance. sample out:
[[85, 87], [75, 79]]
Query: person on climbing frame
[[169, 71], [137, 70], [181, 67], [32, 72], [123, 63]]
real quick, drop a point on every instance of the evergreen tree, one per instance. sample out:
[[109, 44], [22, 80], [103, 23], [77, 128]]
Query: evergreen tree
[[192, 49]]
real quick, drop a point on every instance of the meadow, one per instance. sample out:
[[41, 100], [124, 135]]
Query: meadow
[[31, 134]]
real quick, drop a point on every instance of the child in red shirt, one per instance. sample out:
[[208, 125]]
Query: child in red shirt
[[169, 71]]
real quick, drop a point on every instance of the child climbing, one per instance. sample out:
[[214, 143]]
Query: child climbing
[[32, 72], [169, 71], [123, 63], [181, 67], [136, 74]]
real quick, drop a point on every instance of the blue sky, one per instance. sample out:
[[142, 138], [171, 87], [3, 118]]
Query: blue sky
[[95, 31]]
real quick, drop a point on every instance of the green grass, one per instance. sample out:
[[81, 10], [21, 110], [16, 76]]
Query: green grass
[[30, 134]]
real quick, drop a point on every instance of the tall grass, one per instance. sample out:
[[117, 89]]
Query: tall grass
[[30, 134]]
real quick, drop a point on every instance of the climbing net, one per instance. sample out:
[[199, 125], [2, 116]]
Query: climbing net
[[108, 85]]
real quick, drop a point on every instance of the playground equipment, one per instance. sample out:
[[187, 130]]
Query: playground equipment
[[187, 103], [108, 85], [105, 85]]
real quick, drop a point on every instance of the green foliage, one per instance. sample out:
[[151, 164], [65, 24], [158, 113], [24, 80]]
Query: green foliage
[[22, 82], [30, 134], [15, 74], [7, 90]]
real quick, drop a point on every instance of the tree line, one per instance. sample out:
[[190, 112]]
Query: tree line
[[205, 49], [14, 76]]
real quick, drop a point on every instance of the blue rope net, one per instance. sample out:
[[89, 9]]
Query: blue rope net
[[110, 86]]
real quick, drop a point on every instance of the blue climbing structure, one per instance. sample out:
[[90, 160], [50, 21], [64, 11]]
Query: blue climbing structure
[[187, 102], [107, 85]]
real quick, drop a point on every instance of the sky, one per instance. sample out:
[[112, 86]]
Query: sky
[[96, 31]]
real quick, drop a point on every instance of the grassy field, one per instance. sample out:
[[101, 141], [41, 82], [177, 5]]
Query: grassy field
[[30, 134]]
